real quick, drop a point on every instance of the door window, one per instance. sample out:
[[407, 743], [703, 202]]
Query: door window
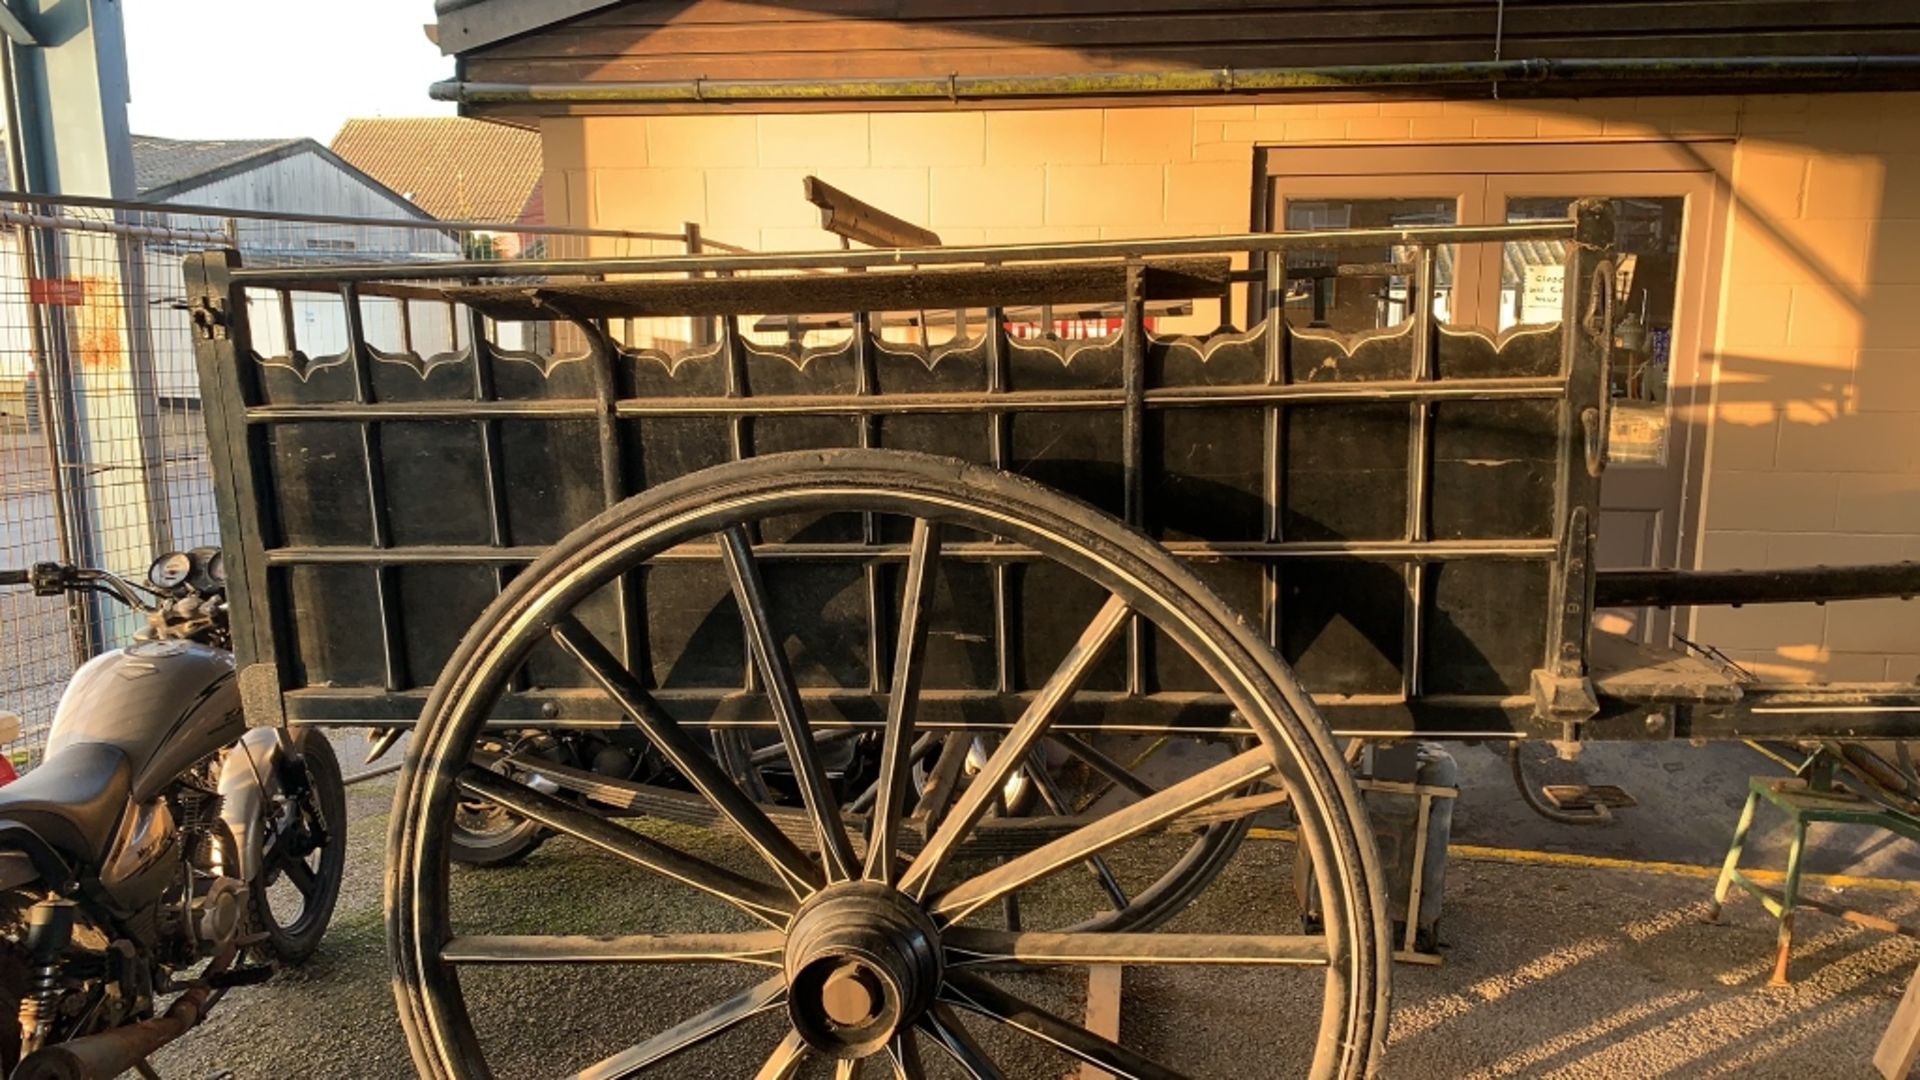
[[1647, 233], [1350, 289]]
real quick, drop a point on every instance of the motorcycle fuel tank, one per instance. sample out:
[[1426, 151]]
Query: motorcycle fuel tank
[[165, 704]]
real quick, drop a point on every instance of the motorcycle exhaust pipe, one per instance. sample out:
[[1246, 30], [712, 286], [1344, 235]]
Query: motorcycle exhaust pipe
[[106, 1054]]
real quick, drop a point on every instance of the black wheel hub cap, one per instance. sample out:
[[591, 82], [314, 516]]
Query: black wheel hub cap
[[863, 962]]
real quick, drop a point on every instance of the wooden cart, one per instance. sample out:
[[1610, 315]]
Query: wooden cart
[[913, 620]]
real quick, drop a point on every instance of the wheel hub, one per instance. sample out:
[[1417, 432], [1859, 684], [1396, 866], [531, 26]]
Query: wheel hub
[[862, 962]]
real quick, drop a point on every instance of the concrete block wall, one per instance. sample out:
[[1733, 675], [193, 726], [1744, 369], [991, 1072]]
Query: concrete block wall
[[1815, 452], [1814, 430]]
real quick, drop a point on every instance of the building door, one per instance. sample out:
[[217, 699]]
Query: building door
[[1667, 203]]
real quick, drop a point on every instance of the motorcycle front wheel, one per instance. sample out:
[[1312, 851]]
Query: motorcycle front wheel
[[292, 900]]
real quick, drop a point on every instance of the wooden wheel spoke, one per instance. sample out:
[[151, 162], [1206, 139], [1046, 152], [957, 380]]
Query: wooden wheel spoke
[[916, 596], [1109, 884], [1099, 835], [945, 1029], [762, 901], [979, 996], [1018, 743], [1056, 801], [1103, 764], [903, 1054], [759, 947], [768, 755], [943, 778], [968, 947], [690, 1032], [796, 870], [783, 695], [785, 1061]]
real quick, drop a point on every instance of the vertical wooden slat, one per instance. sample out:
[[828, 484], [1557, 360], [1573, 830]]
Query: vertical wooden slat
[[865, 384], [1273, 455], [1419, 474], [386, 578], [242, 464], [499, 530], [1587, 324], [733, 361], [999, 452], [1133, 448]]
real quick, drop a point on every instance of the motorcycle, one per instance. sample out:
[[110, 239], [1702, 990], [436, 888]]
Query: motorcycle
[[161, 846]]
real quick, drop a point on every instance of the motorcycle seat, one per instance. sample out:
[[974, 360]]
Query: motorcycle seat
[[73, 799]]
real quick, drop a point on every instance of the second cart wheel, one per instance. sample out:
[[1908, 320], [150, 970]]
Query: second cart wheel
[[486, 834], [875, 943]]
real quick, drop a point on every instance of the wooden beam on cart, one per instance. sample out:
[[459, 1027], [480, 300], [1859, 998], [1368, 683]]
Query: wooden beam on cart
[[801, 294]]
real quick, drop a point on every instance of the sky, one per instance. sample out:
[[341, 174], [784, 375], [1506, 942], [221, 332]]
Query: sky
[[256, 69]]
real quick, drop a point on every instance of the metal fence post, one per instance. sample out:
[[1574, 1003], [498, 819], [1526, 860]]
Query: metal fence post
[[73, 124]]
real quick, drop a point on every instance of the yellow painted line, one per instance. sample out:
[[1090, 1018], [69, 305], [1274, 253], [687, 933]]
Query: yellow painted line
[[1514, 856]]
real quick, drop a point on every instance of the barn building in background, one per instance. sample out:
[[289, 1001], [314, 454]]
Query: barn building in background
[[282, 175]]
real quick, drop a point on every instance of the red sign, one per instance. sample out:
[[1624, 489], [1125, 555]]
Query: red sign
[[57, 292], [1071, 329]]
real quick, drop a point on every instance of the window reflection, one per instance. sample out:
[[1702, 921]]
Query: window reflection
[[1351, 289], [1646, 278]]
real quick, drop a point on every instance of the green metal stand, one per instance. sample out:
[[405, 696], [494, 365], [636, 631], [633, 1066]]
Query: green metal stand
[[1805, 800]]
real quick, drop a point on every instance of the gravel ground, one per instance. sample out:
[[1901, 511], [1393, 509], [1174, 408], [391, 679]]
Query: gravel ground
[[1550, 971]]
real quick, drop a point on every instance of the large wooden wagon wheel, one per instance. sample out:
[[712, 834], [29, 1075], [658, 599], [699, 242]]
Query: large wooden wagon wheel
[[877, 946], [1034, 788]]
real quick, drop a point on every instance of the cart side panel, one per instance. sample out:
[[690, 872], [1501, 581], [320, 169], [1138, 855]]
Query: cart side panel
[[1396, 510]]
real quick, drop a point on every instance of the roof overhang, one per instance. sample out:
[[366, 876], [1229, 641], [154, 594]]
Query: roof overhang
[[465, 25]]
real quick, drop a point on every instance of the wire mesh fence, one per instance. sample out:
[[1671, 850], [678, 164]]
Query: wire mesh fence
[[103, 453]]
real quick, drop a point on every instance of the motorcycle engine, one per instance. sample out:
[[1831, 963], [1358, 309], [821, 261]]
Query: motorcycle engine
[[215, 903], [218, 910]]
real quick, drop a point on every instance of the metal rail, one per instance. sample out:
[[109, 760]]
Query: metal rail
[[427, 223], [140, 232], [932, 402], [1256, 243]]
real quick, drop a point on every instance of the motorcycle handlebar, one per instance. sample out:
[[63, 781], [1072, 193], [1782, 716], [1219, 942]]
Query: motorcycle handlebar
[[52, 579]]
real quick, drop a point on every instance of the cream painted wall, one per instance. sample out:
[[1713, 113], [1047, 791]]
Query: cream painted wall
[[1814, 451]]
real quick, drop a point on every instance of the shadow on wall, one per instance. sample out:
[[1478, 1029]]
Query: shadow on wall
[[1815, 451]]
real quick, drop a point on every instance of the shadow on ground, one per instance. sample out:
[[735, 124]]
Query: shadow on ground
[[1550, 971]]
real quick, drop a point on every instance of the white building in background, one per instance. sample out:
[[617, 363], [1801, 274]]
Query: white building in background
[[287, 177]]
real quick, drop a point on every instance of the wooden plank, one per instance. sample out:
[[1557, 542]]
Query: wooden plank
[[1900, 1046], [1103, 1011], [1627, 670], [794, 294]]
